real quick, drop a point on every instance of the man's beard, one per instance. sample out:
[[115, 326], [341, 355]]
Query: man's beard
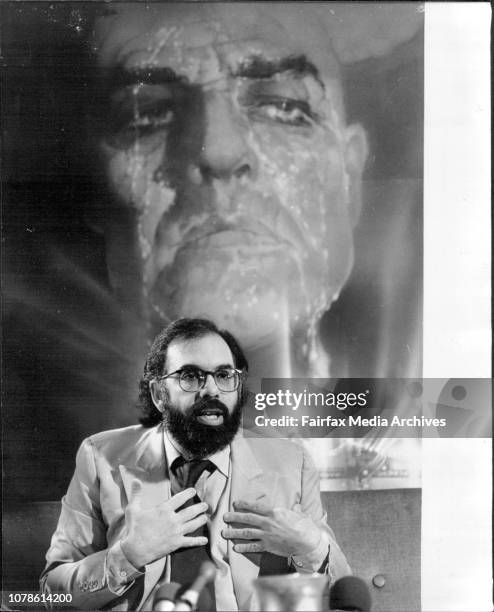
[[196, 438]]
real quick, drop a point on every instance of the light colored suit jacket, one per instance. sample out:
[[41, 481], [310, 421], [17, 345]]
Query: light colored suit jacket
[[278, 472]]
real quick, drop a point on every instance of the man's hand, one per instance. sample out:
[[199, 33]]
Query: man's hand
[[276, 530], [152, 533]]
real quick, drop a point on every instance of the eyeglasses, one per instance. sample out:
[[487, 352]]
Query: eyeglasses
[[194, 379]]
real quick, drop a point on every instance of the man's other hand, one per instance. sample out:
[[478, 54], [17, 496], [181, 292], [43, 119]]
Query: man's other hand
[[276, 530], [154, 532]]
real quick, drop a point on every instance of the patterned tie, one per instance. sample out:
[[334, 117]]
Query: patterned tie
[[186, 562]]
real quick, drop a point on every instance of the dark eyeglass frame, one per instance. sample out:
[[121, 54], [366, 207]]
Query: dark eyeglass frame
[[202, 376]]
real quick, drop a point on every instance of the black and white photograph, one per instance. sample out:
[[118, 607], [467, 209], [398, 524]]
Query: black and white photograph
[[214, 216]]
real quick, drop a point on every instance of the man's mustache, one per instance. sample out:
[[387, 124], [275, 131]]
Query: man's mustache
[[202, 405]]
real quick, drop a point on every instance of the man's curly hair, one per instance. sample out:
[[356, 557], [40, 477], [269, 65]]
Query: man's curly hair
[[184, 329]]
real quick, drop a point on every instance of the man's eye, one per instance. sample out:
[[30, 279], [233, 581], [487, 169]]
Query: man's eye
[[147, 123], [189, 375], [287, 111], [224, 374], [140, 123]]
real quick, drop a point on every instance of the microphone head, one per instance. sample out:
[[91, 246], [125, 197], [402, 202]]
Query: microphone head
[[205, 601], [207, 571], [164, 598], [187, 600], [351, 594]]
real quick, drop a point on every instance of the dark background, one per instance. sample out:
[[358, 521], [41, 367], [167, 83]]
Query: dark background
[[71, 355]]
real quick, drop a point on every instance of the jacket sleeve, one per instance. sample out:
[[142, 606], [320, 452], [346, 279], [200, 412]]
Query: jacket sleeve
[[79, 561], [328, 554]]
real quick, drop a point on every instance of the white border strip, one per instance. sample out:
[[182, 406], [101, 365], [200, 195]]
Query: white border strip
[[457, 191], [456, 507]]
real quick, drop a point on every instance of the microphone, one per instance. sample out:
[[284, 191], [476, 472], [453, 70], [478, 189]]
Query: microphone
[[188, 601], [350, 594], [164, 598]]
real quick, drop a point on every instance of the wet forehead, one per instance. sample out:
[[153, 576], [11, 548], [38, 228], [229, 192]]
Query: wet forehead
[[219, 35]]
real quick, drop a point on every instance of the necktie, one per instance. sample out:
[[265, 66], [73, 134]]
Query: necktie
[[188, 473], [186, 562]]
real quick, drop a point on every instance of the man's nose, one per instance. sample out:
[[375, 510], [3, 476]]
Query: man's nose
[[225, 150], [210, 388]]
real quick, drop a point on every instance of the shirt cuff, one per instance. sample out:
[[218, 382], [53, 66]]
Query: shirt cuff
[[313, 561], [120, 574]]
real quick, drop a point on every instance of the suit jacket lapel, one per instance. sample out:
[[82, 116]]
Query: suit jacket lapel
[[151, 472], [248, 482]]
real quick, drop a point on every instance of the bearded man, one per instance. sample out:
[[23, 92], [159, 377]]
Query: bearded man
[[148, 504]]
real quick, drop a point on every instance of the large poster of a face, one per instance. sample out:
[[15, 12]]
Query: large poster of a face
[[258, 164]]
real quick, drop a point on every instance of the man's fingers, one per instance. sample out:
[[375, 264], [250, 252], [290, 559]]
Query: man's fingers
[[180, 498], [256, 507], [187, 514], [194, 524], [189, 541], [246, 518], [242, 534], [249, 548]]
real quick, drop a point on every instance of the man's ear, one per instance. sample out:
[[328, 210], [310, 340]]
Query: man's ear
[[156, 394], [356, 151]]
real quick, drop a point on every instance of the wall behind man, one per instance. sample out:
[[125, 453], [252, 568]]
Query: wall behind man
[[72, 355]]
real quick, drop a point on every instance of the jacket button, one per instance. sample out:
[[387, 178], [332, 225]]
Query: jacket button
[[379, 581]]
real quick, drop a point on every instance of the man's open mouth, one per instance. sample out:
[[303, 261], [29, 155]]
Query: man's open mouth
[[210, 416]]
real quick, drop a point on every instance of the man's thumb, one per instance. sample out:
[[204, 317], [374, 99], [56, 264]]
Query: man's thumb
[[135, 492]]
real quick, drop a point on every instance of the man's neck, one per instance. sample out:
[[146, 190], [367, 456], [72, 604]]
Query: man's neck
[[220, 458], [186, 454], [180, 449]]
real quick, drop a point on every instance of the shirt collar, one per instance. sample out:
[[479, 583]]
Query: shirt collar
[[221, 459]]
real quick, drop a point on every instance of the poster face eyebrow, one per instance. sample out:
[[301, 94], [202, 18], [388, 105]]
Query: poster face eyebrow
[[121, 77], [257, 67], [254, 67]]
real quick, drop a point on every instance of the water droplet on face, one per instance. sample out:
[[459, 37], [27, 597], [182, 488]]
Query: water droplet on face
[[293, 170]]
